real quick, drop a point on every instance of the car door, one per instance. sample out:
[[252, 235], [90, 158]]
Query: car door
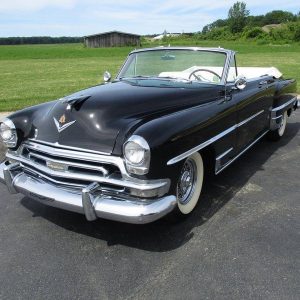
[[253, 104]]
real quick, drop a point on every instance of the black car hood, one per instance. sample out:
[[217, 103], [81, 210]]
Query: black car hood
[[106, 111]]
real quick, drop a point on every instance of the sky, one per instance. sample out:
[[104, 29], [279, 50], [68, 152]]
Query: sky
[[79, 18]]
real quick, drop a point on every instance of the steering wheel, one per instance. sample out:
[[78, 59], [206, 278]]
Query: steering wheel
[[203, 79]]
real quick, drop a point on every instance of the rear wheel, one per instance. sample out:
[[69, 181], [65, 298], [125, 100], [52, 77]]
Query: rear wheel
[[275, 135]]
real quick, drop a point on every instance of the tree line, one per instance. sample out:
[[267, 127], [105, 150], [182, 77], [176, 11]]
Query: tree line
[[277, 25], [39, 40]]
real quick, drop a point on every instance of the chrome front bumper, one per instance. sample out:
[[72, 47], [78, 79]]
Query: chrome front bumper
[[89, 200]]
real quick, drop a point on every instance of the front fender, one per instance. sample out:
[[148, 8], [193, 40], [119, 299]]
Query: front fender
[[176, 133], [23, 119]]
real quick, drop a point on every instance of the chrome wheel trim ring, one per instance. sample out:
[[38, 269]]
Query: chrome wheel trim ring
[[187, 181]]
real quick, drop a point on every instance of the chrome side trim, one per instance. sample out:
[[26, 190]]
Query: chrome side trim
[[224, 154], [284, 105], [201, 146], [219, 158], [275, 118], [212, 140], [242, 152], [249, 119]]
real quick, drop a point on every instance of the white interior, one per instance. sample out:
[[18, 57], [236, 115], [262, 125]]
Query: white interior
[[253, 72], [248, 72]]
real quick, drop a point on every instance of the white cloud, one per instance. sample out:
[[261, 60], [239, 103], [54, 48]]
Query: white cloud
[[33, 5]]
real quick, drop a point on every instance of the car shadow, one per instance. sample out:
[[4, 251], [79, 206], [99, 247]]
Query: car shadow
[[164, 235]]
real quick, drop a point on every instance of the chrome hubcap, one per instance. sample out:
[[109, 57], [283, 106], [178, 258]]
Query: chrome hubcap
[[187, 182]]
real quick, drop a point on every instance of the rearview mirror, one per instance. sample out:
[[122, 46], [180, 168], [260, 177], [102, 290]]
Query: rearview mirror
[[240, 82], [106, 76]]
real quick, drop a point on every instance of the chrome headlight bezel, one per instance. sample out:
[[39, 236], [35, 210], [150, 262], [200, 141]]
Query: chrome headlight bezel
[[139, 166], [8, 126]]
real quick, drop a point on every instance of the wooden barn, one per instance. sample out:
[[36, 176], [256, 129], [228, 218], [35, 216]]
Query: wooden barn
[[112, 39]]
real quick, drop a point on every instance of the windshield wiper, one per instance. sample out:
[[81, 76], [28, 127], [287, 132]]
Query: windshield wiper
[[135, 77]]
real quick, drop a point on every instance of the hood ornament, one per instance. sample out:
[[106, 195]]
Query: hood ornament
[[61, 124], [62, 119]]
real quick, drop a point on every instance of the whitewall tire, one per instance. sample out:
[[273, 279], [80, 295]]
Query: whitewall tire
[[281, 129], [276, 135], [190, 183]]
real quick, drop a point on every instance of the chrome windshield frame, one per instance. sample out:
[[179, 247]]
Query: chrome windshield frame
[[229, 55]]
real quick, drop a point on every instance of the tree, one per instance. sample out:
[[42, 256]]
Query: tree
[[216, 24], [278, 17], [237, 17]]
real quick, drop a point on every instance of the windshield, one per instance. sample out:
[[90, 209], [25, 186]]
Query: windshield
[[186, 66]]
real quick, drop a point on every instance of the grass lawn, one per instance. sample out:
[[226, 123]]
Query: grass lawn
[[32, 74]]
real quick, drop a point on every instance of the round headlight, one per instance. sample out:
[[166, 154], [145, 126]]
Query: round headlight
[[8, 133], [134, 153], [137, 155]]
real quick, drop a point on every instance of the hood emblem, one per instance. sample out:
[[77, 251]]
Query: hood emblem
[[62, 119], [61, 124]]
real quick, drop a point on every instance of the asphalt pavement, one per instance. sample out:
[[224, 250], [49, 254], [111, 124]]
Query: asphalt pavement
[[242, 242]]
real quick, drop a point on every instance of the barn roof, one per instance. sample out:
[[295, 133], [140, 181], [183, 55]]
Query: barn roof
[[108, 32]]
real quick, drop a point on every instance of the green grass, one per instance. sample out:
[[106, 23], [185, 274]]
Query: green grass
[[33, 74]]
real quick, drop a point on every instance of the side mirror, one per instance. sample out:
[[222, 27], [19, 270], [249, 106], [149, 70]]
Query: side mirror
[[240, 83], [106, 76]]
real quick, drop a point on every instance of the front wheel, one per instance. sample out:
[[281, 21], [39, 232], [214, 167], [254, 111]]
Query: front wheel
[[189, 186], [275, 135]]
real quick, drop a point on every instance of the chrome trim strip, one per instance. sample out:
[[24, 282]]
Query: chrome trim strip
[[212, 140], [70, 164], [275, 118], [250, 118], [199, 147], [218, 164], [242, 152], [284, 105], [57, 145], [224, 154]]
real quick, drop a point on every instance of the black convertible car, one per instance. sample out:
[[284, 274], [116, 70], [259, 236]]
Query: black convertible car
[[138, 148]]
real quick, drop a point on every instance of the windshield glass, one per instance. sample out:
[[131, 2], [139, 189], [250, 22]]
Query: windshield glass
[[186, 66]]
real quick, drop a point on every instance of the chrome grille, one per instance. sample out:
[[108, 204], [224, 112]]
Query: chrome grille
[[74, 168], [65, 166]]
